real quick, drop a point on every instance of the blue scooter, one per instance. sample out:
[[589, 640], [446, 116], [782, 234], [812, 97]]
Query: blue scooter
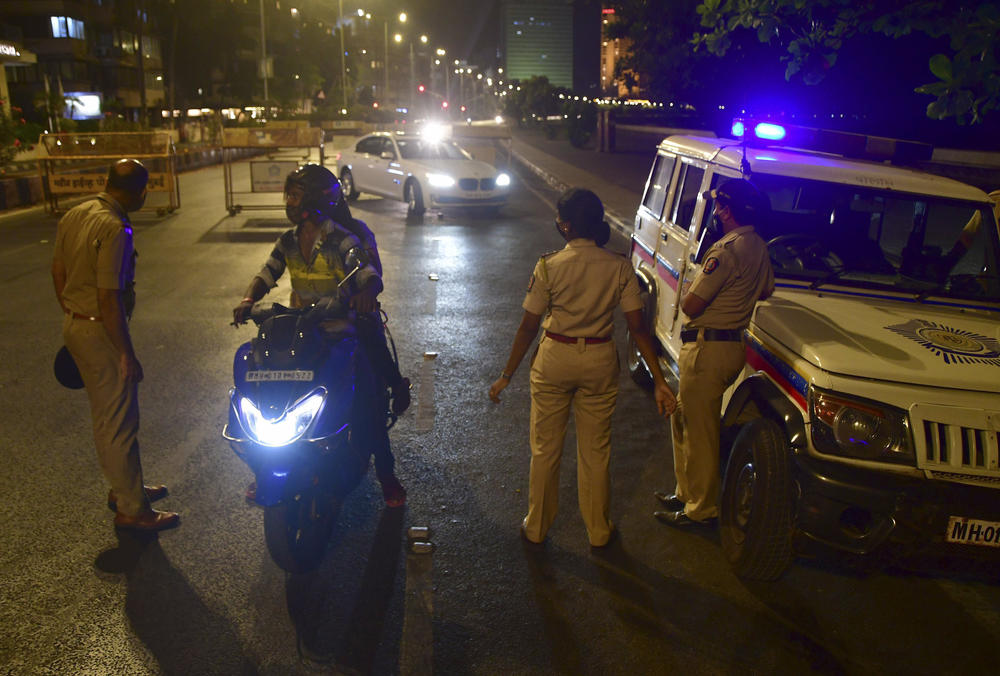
[[290, 416]]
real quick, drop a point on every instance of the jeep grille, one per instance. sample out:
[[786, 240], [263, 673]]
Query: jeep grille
[[957, 444]]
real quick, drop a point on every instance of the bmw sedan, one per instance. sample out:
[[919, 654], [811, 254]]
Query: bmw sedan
[[421, 171]]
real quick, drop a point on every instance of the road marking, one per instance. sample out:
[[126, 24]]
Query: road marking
[[416, 651], [425, 395]]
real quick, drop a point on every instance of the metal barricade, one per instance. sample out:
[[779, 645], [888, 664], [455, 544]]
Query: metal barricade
[[484, 141], [77, 164], [285, 147]]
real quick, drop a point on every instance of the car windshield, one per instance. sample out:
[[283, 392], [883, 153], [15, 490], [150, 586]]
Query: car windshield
[[419, 149], [831, 233]]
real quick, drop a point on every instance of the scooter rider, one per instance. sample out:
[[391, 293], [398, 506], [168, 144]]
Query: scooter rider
[[314, 254]]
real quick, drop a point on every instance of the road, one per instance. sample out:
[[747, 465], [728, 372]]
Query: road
[[206, 599]]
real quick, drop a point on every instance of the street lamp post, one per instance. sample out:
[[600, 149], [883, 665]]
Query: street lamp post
[[343, 64], [263, 51]]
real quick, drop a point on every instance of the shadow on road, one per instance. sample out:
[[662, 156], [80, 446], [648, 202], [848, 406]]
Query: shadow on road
[[315, 600], [165, 612]]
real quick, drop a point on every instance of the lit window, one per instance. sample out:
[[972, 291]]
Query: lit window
[[66, 27]]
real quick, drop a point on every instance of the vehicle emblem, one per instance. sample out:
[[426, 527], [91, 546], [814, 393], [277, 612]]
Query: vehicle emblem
[[955, 346]]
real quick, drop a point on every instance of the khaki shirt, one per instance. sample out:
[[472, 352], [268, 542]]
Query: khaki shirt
[[735, 275], [579, 287], [94, 244]]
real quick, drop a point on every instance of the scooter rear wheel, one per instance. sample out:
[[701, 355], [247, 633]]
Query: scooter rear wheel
[[297, 531]]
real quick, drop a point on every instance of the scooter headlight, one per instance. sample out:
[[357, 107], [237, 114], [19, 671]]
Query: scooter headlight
[[286, 429]]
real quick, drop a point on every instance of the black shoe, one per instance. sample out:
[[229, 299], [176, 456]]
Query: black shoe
[[401, 396], [670, 501], [679, 519]]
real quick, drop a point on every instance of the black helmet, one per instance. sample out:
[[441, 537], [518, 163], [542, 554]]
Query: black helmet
[[747, 202], [322, 192]]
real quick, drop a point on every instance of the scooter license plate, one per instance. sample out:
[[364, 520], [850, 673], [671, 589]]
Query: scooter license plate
[[272, 376], [973, 532]]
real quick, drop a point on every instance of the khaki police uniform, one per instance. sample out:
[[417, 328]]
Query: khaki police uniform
[[735, 274], [94, 244], [576, 364]]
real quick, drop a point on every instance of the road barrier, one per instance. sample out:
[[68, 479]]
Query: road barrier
[[482, 141], [285, 147], [76, 164]]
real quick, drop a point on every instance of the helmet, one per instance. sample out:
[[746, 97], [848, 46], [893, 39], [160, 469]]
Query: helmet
[[747, 203], [66, 370], [322, 192]]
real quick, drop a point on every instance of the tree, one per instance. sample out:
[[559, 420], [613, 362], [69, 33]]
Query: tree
[[813, 32], [662, 53]]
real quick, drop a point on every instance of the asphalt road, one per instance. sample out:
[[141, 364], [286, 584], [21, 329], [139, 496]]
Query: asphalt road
[[206, 599]]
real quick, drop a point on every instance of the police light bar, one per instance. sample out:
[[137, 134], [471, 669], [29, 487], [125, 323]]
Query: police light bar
[[764, 134]]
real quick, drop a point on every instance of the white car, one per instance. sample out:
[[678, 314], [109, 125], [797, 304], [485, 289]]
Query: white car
[[420, 171]]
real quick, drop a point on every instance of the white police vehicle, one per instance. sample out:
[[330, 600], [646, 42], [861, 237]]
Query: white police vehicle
[[869, 409]]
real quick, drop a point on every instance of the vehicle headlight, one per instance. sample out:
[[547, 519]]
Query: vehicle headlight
[[503, 180], [859, 428], [440, 180], [287, 428]]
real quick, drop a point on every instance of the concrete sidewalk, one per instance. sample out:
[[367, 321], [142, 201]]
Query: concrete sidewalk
[[618, 178]]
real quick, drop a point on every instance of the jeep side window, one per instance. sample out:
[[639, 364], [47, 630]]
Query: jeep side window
[[686, 196], [659, 184]]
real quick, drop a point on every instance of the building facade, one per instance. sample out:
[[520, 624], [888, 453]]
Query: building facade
[[538, 41], [100, 55]]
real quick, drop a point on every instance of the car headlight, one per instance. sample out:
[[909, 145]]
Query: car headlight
[[286, 429], [859, 428], [503, 180], [440, 180]]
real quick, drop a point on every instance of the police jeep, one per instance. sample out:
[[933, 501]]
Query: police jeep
[[868, 414]]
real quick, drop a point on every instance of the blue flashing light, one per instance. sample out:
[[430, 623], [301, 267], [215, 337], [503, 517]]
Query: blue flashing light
[[769, 131], [738, 129]]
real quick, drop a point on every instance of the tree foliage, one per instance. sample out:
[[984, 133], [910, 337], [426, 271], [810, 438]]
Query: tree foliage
[[812, 32], [660, 33]]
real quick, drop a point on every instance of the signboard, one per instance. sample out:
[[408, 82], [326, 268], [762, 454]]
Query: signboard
[[94, 183], [269, 176]]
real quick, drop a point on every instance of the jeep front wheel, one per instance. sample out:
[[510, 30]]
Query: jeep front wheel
[[755, 516]]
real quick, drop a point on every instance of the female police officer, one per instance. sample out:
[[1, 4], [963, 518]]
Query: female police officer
[[577, 289]]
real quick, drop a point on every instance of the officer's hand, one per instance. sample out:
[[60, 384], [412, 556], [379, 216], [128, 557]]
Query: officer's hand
[[241, 312], [497, 387], [666, 402], [130, 368], [364, 301]]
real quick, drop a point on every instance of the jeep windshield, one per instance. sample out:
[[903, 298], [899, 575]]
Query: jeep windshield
[[826, 233]]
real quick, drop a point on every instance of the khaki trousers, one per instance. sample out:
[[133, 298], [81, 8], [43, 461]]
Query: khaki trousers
[[585, 376], [707, 369], [114, 410]]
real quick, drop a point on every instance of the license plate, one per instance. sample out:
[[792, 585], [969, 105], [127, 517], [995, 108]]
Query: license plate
[[271, 376], [973, 532]]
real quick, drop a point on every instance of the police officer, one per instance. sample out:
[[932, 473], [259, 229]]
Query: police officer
[[576, 364], [719, 302], [93, 268]]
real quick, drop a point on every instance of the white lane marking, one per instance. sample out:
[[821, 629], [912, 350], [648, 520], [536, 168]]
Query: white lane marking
[[425, 396], [416, 650]]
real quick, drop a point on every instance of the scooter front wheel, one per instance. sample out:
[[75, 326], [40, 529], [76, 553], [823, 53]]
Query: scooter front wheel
[[297, 531]]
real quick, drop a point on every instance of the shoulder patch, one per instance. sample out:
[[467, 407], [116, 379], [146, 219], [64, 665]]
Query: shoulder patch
[[550, 253], [710, 265]]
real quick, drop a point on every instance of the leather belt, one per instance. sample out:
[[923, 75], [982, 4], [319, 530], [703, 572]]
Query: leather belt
[[731, 335], [77, 315], [558, 337]]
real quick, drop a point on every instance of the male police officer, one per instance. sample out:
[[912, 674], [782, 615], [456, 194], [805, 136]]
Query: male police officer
[[736, 274], [93, 267]]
